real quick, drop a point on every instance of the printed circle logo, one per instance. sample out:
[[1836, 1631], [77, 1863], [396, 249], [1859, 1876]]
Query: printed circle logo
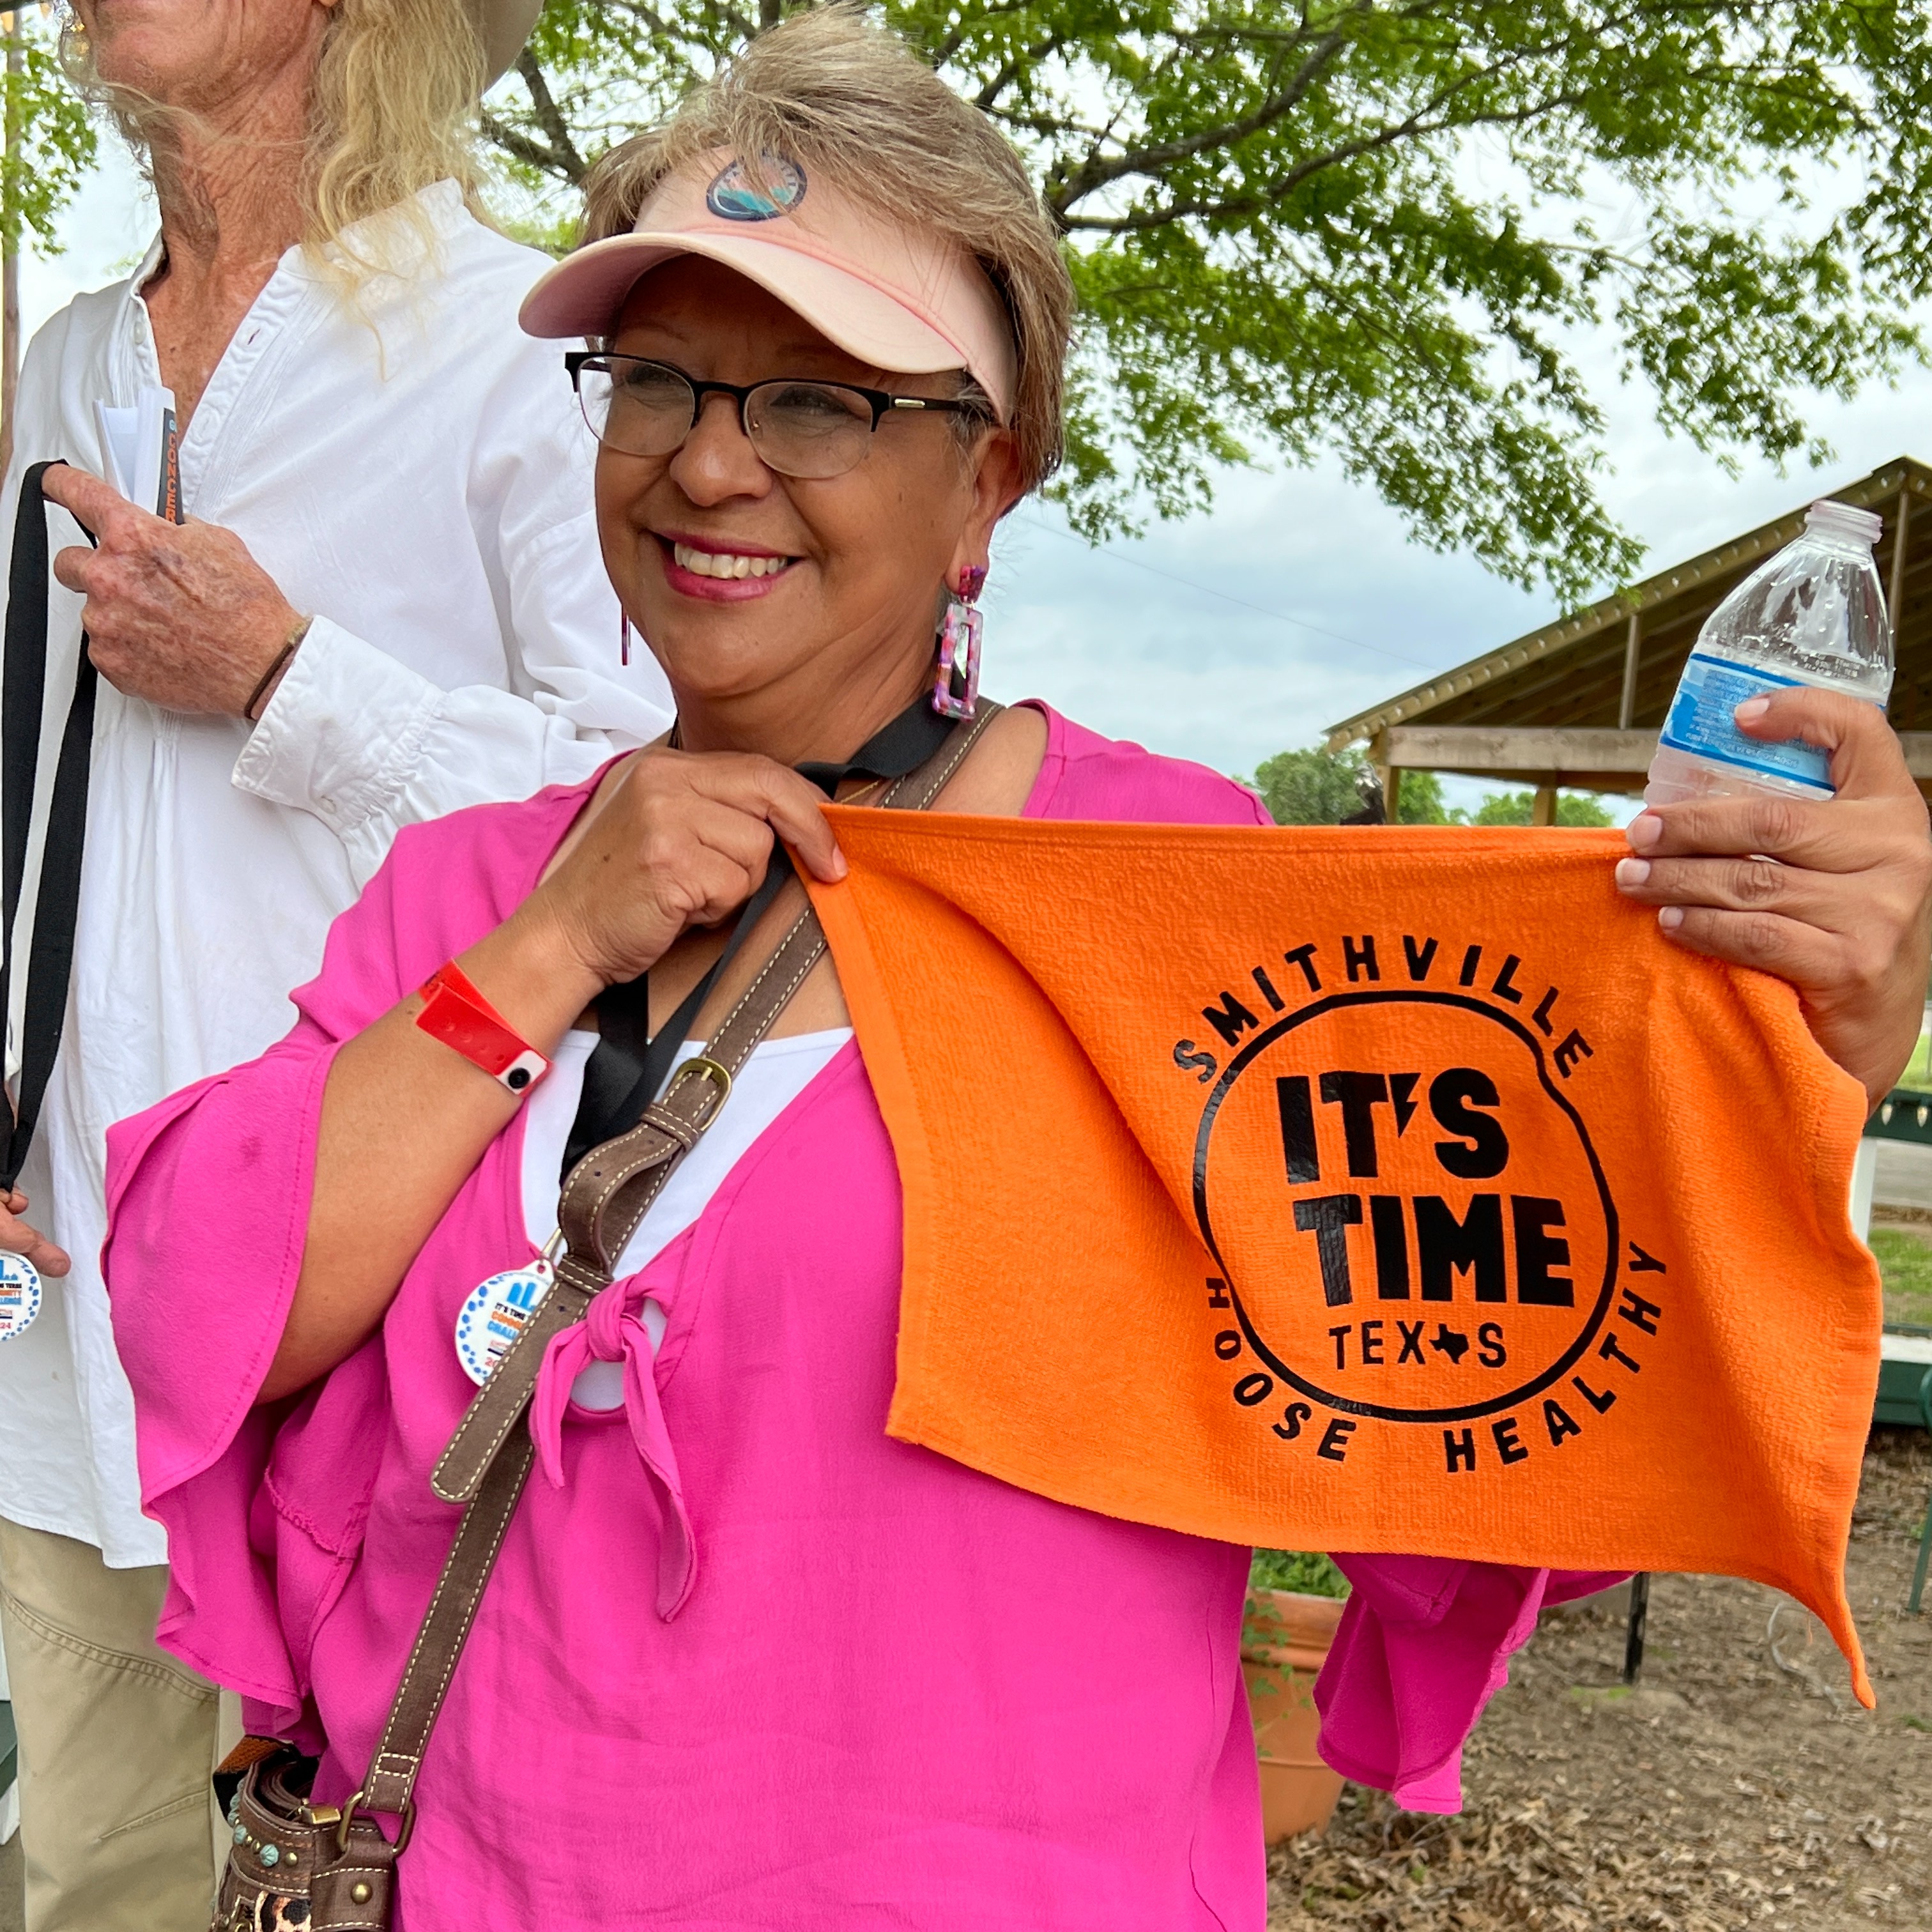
[[1410, 1219], [733, 197]]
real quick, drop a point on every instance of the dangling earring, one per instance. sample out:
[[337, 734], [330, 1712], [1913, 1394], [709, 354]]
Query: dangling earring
[[624, 638], [955, 685]]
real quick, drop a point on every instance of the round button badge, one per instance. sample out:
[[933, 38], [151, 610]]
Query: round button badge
[[19, 1295], [495, 1312]]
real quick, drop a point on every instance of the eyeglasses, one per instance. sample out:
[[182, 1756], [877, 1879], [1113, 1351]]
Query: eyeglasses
[[799, 428]]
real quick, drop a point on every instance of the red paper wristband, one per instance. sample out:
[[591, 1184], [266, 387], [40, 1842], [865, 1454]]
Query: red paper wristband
[[456, 1013]]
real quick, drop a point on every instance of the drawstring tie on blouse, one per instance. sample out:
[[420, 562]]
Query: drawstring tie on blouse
[[612, 1330]]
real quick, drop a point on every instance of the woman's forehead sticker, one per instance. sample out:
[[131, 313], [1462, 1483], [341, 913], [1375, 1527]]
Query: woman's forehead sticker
[[734, 196]]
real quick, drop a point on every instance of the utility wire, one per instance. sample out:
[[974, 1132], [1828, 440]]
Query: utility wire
[[1208, 590]]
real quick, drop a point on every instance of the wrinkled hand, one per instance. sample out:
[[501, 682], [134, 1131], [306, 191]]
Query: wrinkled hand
[[1834, 896], [17, 1238], [683, 841], [177, 613]]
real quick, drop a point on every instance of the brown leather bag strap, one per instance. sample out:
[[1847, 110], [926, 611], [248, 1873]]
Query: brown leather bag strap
[[489, 1458], [452, 1609], [610, 1190]]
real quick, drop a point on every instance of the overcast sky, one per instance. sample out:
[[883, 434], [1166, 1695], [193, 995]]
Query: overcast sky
[[1298, 601]]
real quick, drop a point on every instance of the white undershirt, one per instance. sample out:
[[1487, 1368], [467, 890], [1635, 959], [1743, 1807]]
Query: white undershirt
[[777, 1072]]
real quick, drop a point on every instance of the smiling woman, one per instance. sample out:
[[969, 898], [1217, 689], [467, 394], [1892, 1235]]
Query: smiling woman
[[574, 1113]]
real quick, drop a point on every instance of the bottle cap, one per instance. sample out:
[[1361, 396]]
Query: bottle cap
[[1841, 519]]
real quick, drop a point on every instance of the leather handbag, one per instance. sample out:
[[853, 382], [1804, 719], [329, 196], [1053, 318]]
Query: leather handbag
[[325, 1868]]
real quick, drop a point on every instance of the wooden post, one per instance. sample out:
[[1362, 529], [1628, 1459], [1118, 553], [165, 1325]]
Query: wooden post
[[1633, 644], [1901, 530], [1388, 776], [1543, 807]]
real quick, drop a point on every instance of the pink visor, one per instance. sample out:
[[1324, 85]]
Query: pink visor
[[897, 297]]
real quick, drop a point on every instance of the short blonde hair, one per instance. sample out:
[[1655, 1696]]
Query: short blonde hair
[[394, 110], [853, 104]]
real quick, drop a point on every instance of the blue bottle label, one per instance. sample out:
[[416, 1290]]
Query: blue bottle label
[[1701, 723]]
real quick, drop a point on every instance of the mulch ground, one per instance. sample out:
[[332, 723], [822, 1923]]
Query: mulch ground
[[1739, 1785]]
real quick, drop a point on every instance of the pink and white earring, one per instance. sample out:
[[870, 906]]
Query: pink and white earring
[[624, 638], [955, 685]]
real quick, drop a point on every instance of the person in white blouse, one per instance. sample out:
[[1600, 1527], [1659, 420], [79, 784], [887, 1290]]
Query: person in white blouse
[[374, 460]]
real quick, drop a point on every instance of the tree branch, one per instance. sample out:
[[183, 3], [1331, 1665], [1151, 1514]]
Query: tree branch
[[1041, 50], [943, 50], [520, 147], [1420, 122], [563, 157], [1094, 173]]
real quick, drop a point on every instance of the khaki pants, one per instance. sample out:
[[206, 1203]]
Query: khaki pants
[[117, 1743]]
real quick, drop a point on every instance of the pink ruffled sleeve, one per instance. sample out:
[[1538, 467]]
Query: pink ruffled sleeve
[[207, 1197], [207, 1212], [1424, 1643]]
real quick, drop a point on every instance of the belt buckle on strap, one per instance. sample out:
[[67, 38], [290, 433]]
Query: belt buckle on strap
[[705, 1068], [406, 1828]]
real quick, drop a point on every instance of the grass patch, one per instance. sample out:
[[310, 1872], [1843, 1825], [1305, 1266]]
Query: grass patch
[[1906, 1263], [1919, 1069]]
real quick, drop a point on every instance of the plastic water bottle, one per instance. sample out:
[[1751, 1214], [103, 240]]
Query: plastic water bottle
[[1813, 614]]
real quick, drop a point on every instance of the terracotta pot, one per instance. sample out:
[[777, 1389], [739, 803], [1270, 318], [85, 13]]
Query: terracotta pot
[[1284, 1639]]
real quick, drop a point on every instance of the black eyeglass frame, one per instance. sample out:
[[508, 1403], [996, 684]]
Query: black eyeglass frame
[[879, 400]]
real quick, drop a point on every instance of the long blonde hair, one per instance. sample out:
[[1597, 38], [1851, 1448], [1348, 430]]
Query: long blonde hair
[[853, 105], [393, 110]]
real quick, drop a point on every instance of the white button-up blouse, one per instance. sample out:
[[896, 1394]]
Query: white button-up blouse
[[412, 470]]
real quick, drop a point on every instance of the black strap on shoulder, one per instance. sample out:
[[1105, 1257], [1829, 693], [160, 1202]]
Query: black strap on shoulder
[[627, 1067], [23, 677]]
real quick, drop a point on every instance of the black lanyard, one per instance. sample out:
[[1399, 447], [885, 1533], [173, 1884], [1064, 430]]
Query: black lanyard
[[23, 680], [628, 1067]]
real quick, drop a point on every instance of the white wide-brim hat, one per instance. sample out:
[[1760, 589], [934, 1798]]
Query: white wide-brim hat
[[505, 26], [897, 295]]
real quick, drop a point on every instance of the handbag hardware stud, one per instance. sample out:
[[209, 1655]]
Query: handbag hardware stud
[[358, 1892]]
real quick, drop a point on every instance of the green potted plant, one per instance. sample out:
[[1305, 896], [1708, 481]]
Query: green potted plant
[[1295, 1603]]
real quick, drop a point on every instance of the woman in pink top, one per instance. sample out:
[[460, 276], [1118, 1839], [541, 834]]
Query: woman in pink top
[[744, 1661]]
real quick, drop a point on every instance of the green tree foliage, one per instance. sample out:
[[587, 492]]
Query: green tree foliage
[[1308, 1572], [1316, 787], [1512, 807], [1364, 229], [1421, 803], [1324, 787], [49, 140]]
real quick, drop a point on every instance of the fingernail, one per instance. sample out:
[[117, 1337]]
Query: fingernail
[[1670, 917], [1751, 710], [1632, 871], [839, 867], [1644, 830]]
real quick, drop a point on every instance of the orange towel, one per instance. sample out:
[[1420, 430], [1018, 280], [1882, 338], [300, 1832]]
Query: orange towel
[[1377, 1191]]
